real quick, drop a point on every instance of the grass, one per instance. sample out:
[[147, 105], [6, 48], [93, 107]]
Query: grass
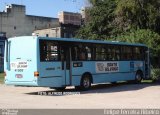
[[147, 81], [1, 78]]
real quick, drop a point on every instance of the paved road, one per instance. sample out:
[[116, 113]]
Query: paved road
[[100, 97]]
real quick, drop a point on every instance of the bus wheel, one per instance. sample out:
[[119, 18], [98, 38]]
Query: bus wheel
[[86, 82], [138, 77]]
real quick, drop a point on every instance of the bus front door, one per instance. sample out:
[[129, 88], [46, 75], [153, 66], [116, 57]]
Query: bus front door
[[66, 65]]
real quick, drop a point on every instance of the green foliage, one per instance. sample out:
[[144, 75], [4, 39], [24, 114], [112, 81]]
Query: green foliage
[[155, 74], [148, 37], [1, 78], [100, 25], [115, 17], [137, 14]]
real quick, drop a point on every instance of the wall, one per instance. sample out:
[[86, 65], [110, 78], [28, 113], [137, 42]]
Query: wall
[[63, 31], [51, 32], [70, 18], [15, 22]]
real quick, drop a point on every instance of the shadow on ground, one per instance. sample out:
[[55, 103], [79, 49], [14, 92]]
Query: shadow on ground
[[100, 88]]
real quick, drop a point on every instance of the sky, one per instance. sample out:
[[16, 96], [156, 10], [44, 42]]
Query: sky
[[48, 8]]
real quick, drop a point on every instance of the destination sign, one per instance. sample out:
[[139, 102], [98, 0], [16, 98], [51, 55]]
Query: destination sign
[[106, 67]]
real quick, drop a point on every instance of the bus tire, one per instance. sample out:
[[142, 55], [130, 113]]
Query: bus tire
[[86, 82], [138, 77]]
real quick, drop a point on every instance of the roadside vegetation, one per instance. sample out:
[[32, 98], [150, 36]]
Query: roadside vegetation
[[155, 74], [1, 78]]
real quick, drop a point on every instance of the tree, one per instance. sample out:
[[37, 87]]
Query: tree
[[137, 14], [115, 17], [101, 15]]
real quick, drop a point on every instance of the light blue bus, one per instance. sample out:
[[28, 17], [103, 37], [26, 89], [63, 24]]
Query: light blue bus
[[61, 62]]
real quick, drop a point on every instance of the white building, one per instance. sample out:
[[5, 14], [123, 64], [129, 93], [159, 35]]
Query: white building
[[15, 22]]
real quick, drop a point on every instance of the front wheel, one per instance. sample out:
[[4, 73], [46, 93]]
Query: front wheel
[[86, 82]]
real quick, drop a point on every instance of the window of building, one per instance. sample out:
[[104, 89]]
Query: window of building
[[71, 17], [15, 27], [66, 17]]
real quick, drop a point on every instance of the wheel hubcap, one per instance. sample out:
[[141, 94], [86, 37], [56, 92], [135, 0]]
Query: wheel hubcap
[[86, 82], [138, 77]]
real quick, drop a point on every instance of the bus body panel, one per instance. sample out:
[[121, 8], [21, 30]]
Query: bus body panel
[[51, 74], [51, 82], [21, 61], [127, 71]]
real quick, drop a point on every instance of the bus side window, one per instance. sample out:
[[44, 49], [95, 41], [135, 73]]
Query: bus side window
[[138, 53], [126, 53], [98, 52], [62, 55], [117, 53], [109, 56], [42, 51], [74, 53], [88, 53], [81, 52], [111, 53], [82, 55], [48, 51]]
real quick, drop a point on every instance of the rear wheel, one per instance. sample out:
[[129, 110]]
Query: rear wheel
[[138, 77], [86, 82]]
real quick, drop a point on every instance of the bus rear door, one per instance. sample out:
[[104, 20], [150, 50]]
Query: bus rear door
[[66, 64]]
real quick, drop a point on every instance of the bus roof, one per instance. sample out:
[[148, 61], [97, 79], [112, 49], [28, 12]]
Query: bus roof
[[85, 41]]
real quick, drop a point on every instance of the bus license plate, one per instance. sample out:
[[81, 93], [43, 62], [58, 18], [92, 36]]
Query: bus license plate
[[19, 76]]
